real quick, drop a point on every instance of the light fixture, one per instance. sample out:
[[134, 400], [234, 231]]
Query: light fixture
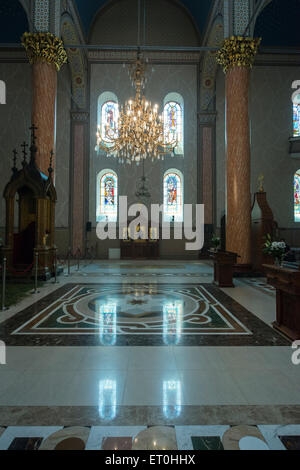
[[142, 192], [139, 132]]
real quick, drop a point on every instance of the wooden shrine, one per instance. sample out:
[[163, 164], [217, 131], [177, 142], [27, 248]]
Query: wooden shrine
[[262, 224], [287, 285], [30, 206]]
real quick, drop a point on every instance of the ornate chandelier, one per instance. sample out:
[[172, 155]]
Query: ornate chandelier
[[139, 131]]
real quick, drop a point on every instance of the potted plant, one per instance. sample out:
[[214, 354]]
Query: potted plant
[[215, 243], [276, 249]]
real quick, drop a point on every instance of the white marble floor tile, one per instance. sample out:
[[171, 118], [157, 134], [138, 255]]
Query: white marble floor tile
[[198, 358], [97, 388], [152, 358], [38, 388], [95, 358], [204, 387], [266, 387], [259, 303], [148, 387], [249, 357], [9, 380]]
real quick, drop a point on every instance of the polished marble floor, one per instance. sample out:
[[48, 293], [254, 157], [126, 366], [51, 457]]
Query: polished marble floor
[[122, 345], [137, 315], [155, 438]]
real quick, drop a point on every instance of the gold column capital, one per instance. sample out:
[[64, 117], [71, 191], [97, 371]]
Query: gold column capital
[[238, 51], [45, 47]]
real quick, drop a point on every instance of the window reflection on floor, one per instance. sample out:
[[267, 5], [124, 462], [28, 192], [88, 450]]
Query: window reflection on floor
[[107, 324], [172, 398], [107, 399], [172, 318]]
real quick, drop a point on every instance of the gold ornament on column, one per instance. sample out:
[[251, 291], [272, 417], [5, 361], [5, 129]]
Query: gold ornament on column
[[261, 180], [45, 47], [238, 51]]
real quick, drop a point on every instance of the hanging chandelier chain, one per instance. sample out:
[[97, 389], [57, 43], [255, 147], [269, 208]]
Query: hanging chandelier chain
[[139, 130]]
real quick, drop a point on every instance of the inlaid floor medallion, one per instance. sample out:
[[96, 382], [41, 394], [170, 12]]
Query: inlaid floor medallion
[[137, 314]]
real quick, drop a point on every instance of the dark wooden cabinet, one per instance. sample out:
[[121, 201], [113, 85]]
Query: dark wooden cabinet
[[287, 285], [224, 262], [132, 249]]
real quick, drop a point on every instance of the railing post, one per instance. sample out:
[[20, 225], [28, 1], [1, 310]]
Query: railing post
[[35, 291], [69, 261], [3, 284], [78, 259], [55, 266]]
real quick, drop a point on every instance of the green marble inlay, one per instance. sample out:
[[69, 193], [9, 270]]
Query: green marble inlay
[[207, 443]]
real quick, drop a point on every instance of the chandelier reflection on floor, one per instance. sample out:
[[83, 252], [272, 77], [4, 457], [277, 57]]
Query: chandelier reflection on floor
[[139, 133]]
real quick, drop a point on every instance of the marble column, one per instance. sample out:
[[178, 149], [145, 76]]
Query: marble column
[[237, 56], [44, 87], [46, 54], [207, 143], [238, 213], [79, 159]]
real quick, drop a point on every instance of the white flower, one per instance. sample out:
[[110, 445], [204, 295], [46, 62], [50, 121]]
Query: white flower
[[278, 246]]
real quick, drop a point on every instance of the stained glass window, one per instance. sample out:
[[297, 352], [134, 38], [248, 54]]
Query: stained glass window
[[173, 120], [173, 196], [296, 120], [107, 196], [297, 196], [173, 124], [109, 119]]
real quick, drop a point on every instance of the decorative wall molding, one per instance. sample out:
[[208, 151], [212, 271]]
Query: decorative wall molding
[[55, 17], [69, 7], [76, 61], [241, 16], [207, 118], [81, 116], [46, 16], [16, 55], [210, 66], [41, 15], [153, 56]]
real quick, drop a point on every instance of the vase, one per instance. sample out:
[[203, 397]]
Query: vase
[[278, 261]]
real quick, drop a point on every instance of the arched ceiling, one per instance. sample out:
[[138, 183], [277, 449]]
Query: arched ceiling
[[278, 24], [13, 21], [199, 10]]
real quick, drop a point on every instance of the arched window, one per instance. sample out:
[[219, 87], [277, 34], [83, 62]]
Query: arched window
[[296, 120], [173, 120], [173, 196], [297, 196], [107, 196], [108, 115]]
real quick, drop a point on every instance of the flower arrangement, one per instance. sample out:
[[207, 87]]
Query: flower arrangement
[[215, 242], [276, 249], [46, 47], [238, 51]]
